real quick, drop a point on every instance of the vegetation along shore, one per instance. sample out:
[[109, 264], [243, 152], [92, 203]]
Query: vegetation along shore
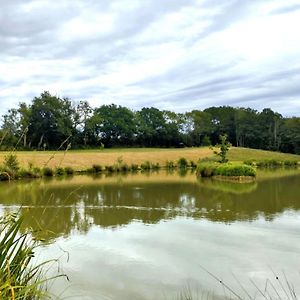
[[32, 164]]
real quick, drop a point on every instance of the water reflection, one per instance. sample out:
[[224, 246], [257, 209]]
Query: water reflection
[[61, 206]]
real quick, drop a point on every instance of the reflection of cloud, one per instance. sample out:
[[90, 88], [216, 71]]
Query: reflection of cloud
[[157, 260], [138, 53], [187, 202]]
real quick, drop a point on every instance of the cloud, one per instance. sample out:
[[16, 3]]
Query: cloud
[[174, 54]]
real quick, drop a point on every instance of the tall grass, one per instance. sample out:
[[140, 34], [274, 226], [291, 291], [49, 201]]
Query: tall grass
[[278, 287], [19, 278], [207, 169]]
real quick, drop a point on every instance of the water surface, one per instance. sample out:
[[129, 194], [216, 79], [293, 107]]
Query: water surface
[[149, 236]]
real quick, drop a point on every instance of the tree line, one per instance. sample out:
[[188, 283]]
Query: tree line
[[50, 122]]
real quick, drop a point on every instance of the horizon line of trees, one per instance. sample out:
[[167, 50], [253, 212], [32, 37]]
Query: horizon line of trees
[[50, 122]]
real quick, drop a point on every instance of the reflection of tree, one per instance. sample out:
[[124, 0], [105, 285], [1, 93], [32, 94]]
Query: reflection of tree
[[58, 209]]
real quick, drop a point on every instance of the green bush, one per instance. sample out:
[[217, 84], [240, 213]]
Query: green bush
[[47, 172], [249, 162], [124, 168], [269, 163], [69, 171], [213, 169], [182, 163], [110, 169], [290, 163], [193, 164], [170, 164], [37, 171], [155, 166], [28, 173], [96, 168], [134, 167], [11, 162], [146, 165], [206, 169], [59, 171], [235, 170]]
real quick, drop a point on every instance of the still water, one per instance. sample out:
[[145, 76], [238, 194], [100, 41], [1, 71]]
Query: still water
[[154, 235]]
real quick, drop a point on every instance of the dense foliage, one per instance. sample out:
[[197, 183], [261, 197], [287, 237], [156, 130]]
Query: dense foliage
[[209, 169], [50, 122]]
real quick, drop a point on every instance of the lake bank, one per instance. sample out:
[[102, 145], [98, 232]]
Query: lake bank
[[83, 159]]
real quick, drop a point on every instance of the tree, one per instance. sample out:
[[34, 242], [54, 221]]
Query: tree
[[290, 135], [82, 121], [51, 121], [117, 125], [224, 148], [10, 128], [222, 122], [201, 127], [151, 130], [247, 128], [270, 123]]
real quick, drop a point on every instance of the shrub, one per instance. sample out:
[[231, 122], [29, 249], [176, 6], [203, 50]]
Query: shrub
[[96, 168], [213, 169], [155, 166], [124, 168], [48, 172], [37, 171], [206, 169], [26, 173], [110, 169], [249, 162], [69, 171], [290, 163], [59, 171], [182, 163], [193, 164], [146, 165], [269, 163], [170, 164], [11, 162], [134, 167], [235, 170]]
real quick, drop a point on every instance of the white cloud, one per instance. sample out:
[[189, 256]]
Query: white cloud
[[174, 54]]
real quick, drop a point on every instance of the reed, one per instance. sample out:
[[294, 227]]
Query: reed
[[19, 278]]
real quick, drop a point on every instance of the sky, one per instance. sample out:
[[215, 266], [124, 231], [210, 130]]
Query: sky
[[170, 54]]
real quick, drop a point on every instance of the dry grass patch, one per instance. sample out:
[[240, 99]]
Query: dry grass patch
[[79, 160]]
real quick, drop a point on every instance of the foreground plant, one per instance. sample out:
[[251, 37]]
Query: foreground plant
[[19, 278]]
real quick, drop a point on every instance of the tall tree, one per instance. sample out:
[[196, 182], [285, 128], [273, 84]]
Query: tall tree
[[270, 123], [151, 127], [82, 121], [117, 125], [51, 121], [290, 135]]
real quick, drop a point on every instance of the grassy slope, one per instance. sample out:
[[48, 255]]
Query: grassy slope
[[242, 154], [86, 158]]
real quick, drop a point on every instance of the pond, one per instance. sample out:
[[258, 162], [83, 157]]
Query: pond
[[160, 235]]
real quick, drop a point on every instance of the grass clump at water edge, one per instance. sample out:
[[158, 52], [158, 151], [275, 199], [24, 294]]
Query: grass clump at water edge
[[210, 169], [19, 279]]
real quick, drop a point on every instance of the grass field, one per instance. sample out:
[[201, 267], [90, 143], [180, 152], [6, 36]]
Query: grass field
[[82, 159]]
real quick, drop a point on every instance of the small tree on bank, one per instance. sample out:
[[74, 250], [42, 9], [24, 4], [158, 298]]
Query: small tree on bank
[[224, 147]]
